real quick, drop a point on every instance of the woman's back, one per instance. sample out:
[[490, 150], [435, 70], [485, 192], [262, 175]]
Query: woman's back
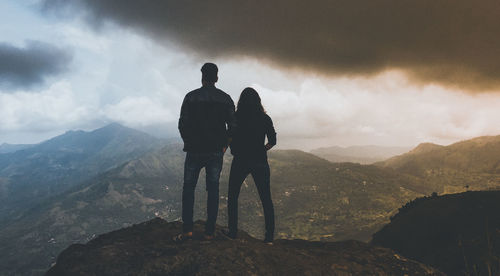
[[249, 135], [250, 157]]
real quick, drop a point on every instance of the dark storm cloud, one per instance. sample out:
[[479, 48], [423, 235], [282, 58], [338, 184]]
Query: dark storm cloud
[[450, 42], [30, 65]]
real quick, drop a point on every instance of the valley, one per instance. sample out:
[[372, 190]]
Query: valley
[[314, 199]]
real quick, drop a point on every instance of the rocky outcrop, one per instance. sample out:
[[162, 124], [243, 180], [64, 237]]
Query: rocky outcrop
[[458, 233], [148, 249]]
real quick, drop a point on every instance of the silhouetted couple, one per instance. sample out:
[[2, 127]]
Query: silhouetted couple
[[209, 125]]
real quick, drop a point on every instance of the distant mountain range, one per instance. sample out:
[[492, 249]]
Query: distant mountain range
[[133, 177], [467, 165], [359, 154], [314, 199], [32, 173], [6, 148]]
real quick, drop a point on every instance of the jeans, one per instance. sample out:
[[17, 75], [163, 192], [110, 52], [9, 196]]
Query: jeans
[[259, 169], [212, 162]]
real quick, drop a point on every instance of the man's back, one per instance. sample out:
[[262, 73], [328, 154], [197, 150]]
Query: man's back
[[205, 112], [204, 115]]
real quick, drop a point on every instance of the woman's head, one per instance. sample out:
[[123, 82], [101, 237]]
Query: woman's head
[[250, 102]]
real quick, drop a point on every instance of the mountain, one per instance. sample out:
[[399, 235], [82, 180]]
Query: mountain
[[458, 233], [147, 249], [31, 175], [7, 148], [358, 154], [314, 199], [467, 165]]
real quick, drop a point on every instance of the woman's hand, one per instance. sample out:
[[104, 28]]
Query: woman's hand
[[268, 146]]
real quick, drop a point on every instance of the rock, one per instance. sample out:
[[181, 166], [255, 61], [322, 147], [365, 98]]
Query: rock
[[457, 233], [148, 249]]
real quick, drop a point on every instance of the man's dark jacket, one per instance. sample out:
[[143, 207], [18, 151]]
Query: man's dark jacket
[[207, 119]]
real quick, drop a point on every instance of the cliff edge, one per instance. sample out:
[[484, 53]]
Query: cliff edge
[[148, 249]]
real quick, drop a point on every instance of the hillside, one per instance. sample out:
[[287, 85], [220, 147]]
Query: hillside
[[147, 249], [358, 154], [458, 234], [7, 148], [314, 199], [31, 175], [467, 165]]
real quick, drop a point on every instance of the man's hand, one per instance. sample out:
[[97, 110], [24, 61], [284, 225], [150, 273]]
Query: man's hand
[[229, 140]]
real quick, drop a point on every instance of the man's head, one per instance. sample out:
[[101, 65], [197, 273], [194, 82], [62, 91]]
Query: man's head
[[209, 73]]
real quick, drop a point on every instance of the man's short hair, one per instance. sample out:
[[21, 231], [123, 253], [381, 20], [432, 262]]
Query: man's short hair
[[209, 72]]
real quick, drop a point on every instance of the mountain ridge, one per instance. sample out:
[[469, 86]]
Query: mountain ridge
[[358, 154], [314, 199], [31, 175], [8, 148], [466, 165]]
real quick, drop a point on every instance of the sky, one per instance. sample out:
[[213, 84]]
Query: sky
[[387, 72]]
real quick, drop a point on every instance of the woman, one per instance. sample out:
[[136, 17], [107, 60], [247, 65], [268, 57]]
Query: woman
[[250, 157]]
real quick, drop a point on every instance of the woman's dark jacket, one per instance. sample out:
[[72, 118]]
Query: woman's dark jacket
[[249, 135]]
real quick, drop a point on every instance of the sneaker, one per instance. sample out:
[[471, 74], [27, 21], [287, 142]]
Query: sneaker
[[183, 237], [268, 241], [229, 234], [207, 237]]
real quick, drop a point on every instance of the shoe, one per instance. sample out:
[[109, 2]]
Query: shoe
[[268, 241], [183, 237], [207, 237], [229, 234]]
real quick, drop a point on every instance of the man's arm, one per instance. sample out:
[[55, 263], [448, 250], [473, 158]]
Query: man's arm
[[230, 122], [184, 120]]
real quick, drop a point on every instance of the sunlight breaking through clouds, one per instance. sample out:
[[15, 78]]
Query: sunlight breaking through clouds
[[121, 74]]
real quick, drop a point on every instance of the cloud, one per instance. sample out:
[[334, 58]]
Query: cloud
[[31, 65], [139, 112], [383, 111], [114, 77], [450, 42], [55, 107], [120, 75]]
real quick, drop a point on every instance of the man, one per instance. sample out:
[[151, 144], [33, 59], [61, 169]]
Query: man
[[205, 125]]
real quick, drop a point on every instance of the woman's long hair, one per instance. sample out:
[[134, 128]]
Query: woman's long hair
[[249, 103]]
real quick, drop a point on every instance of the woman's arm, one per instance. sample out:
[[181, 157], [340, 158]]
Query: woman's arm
[[270, 133]]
